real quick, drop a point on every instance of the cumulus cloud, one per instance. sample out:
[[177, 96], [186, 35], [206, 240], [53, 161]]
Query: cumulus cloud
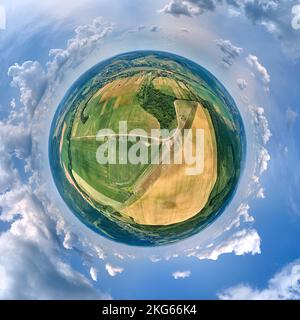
[[273, 15], [241, 83], [233, 13], [258, 69], [8, 174], [15, 139], [178, 8], [31, 80], [261, 193], [263, 160], [87, 38], [263, 135], [242, 242], [285, 285], [260, 121], [31, 267], [32, 259], [191, 8], [229, 52], [181, 274], [276, 17], [37, 244], [113, 270], [243, 215], [15, 142]]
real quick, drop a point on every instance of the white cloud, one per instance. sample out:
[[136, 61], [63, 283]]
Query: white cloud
[[191, 8], [263, 159], [261, 165], [155, 259], [87, 38], [261, 123], [242, 242], [233, 13], [261, 193], [229, 52], [241, 83], [31, 80], [119, 255], [113, 270], [178, 8], [8, 174], [15, 139], [31, 267], [94, 274], [37, 249], [242, 215], [273, 15], [258, 69], [285, 285], [270, 26], [181, 274]]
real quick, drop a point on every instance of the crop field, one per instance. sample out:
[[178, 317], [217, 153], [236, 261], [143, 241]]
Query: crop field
[[109, 181], [175, 197], [116, 184], [146, 204], [172, 196], [149, 194]]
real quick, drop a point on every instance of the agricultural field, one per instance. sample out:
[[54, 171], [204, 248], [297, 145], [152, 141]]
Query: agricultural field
[[175, 196], [146, 203]]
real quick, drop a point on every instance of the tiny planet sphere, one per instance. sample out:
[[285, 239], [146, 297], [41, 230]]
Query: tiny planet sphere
[[147, 148]]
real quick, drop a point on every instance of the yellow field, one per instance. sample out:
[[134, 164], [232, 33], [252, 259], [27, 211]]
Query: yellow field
[[179, 89], [120, 88], [123, 91], [184, 110], [175, 197]]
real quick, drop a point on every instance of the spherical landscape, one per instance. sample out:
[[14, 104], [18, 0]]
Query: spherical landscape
[[146, 202]]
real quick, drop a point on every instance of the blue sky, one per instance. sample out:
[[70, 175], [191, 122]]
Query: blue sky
[[252, 251]]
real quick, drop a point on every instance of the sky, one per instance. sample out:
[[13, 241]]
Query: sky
[[250, 252]]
